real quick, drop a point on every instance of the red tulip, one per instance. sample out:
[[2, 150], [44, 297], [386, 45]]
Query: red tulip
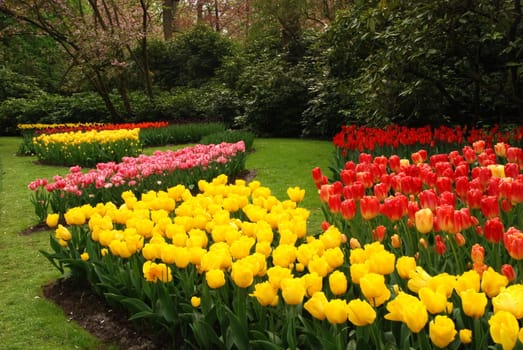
[[394, 208], [462, 186], [469, 154], [447, 197], [511, 170], [365, 178], [428, 199], [379, 233], [348, 208], [335, 203], [394, 163], [381, 161], [489, 206], [347, 176], [516, 194], [440, 245], [443, 184], [461, 170], [494, 230], [474, 198], [369, 207], [508, 271], [479, 146], [515, 155], [513, 241], [381, 190], [354, 191]]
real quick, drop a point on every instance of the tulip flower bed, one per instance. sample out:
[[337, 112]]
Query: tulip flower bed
[[414, 253], [396, 139], [86, 148], [38, 129], [161, 170], [29, 131]]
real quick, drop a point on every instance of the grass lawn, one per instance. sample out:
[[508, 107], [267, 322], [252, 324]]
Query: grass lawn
[[29, 321]]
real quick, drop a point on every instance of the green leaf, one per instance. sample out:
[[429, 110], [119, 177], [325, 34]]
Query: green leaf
[[136, 304], [239, 333]]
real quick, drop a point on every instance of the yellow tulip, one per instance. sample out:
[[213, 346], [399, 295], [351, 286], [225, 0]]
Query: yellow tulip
[[337, 282], [382, 262], [492, 282], [63, 233], [242, 274], [313, 283], [510, 299], [504, 329], [195, 301], [357, 271], [360, 312], [75, 216], [334, 257], [296, 194], [316, 305], [473, 303], [154, 272], [276, 274], [336, 311], [465, 336], [442, 331], [284, 255], [374, 289], [436, 302], [404, 266], [409, 310], [215, 278], [292, 290], [468, 280], [319, 265], [84, 256], [265, 293], [417, 279], [52, 220]]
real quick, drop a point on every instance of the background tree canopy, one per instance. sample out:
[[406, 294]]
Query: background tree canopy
[[278, 67]]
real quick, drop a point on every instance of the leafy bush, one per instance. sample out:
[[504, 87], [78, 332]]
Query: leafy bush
[[230, 136], [275, 96], [190, 59]]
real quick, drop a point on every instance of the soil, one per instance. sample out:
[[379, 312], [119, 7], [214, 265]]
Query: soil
[[92, 312]]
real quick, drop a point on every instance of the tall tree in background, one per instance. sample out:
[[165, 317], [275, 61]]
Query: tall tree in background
[[98, 36]]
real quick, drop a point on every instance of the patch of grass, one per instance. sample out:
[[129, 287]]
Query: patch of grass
[[284, 163], [27, 319]]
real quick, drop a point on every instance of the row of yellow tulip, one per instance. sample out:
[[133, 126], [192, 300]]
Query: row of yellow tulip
[[212, 249]]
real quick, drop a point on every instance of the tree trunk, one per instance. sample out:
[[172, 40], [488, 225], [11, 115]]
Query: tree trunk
[[96, 80], [169, 8], [199, 12], [216, 16], [145, 59]]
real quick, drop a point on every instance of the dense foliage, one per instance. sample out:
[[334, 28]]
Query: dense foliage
[[299, 69]]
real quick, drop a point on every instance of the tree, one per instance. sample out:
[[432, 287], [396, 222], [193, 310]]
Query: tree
[[98, 36]]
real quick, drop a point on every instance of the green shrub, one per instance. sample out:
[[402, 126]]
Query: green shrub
[[178, 133], [230, 136], [191, 59], [275, 96]]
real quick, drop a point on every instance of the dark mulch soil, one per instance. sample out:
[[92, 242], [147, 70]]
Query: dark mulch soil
[[91, 312]]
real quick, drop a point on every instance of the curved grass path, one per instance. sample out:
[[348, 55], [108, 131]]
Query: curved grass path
[[29, 321]]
